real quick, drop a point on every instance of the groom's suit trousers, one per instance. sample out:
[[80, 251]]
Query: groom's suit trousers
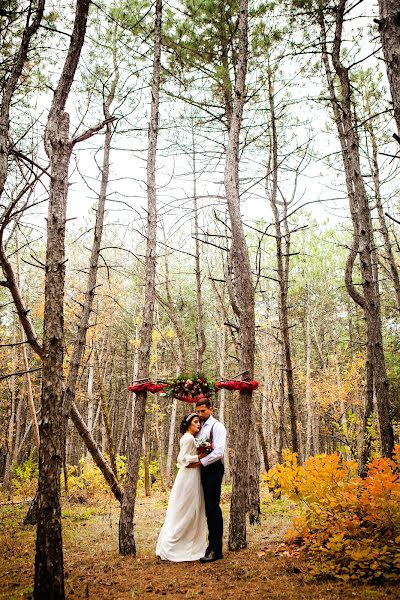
[[211, 479]]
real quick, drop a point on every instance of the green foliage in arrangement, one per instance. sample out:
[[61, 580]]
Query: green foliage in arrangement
[[349, 527], [190, 384]]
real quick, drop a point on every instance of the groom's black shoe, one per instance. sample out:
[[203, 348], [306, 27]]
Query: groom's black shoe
[[210, 556]]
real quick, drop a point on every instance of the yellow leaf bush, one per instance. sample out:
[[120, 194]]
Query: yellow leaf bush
[[349, 527]]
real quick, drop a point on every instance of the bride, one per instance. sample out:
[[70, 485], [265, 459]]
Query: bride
[[183, 536]]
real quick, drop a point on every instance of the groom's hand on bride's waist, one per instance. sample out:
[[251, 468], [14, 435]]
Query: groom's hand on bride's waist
[[194, 465]]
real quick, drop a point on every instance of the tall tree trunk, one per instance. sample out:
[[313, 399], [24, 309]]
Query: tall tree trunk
[[389, 256], [342, 409], [49, 570], [363, 243], [281, 407], [108, 429], [366, 441], [161, 450], [389, 29], [264, 425], [200, 335], [33, 21], [11, 442], [253, 507], [80, 337], [18, 418], [90, 398], [171, 443], [308, 398], [29, 390], [244, 292], [222, 396], [282, 259], [146, 460], [126, 533], [169, 308]]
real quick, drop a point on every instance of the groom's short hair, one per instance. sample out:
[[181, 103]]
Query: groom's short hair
[[204, 402]]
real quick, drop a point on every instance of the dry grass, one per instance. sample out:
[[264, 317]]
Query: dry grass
[[93, 568]]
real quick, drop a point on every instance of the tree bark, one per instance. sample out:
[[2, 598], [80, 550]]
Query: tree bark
[[282, 270], [308, 398], [244, 291], [254, 508], [80, 337], [49, 569], [171, 443], [200, 335], [389, 255], [222, 396], [389, 29], [29, 391], [363, 243], [146, 459], [33, 20], [126, 533], [281, 408], [11, 441]]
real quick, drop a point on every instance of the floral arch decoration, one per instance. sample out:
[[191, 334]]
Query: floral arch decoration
[[192, 388]]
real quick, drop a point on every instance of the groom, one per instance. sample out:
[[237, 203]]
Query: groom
[[212, 471]]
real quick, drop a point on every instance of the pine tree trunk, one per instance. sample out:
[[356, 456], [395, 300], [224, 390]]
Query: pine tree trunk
[[363, 243], [11, 442], [49, 575], [171, 443], [200, 335], [90, 399], [80, 337], [222, 396], [161, 451], [253, 507], [33, 21], [281, 408], [49, 569], [126, 533], [146, 461], [366, 442], [282, 251], [389, 29], [308, 399], [383, 229], [29, 391], [244, 292]]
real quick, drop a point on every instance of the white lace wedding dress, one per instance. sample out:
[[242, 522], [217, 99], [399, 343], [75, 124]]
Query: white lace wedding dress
[[183, 536]]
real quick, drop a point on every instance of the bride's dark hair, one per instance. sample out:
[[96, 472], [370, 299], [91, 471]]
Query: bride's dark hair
[[186, 422]]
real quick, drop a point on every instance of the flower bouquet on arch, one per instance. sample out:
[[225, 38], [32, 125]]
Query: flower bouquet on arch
[[190, 388]]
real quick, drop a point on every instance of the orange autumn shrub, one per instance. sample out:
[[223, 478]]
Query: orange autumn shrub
[[349, 527]]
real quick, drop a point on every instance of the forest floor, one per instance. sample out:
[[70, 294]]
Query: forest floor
[[94, 569]]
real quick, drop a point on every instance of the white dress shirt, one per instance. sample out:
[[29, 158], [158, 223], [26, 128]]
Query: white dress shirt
[[218, 441]]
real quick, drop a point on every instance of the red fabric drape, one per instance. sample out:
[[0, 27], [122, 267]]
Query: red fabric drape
[[154, 388], [236, 385], [148, 387]]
